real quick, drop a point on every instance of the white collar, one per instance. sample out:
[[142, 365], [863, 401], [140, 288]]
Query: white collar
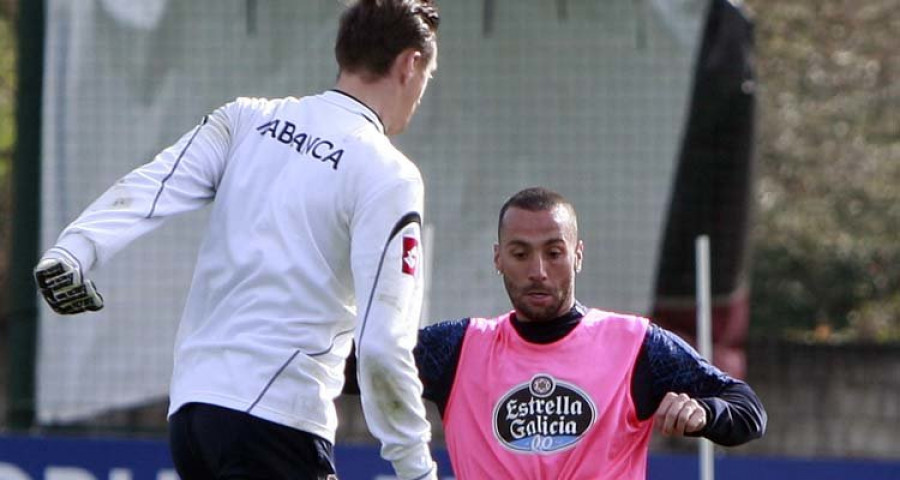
[[353, 104]]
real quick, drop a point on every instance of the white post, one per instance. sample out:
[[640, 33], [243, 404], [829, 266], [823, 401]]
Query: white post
[[704, 337]]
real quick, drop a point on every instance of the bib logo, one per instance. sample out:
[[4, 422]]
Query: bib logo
[[543, 416]]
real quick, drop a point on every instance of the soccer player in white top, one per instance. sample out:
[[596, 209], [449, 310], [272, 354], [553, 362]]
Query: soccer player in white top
[[313, 242]]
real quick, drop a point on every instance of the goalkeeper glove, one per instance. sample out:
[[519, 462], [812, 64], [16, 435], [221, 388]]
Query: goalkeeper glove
[[62, 283]]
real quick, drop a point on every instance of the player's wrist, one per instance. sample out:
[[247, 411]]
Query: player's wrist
[[707, 419], [76, 248]]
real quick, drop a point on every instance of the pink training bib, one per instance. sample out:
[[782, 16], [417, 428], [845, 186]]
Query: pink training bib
[[556, 411]]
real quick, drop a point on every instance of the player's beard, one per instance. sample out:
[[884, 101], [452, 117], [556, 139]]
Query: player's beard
[[525, 311]]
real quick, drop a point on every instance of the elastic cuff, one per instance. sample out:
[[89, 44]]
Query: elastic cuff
[[416, 465], [704, 403], [77, 246]]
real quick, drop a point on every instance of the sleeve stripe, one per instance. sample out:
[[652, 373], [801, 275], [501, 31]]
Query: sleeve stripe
[[408, 219], [411, 217], [162, 185]]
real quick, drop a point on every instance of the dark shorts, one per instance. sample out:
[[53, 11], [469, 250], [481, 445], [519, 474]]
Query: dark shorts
[[215, 443]]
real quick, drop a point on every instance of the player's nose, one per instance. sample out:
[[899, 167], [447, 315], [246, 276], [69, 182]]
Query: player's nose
[[537, 269]]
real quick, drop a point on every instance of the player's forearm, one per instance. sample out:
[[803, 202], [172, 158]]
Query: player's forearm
[[735, 416], [176, 181], [110, 222], [391, 400], [388, 380], [666, 363], [107, 225]]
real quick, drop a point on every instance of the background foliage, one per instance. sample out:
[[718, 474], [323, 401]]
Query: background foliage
[[7, 143], [827, 229], [7, 132]]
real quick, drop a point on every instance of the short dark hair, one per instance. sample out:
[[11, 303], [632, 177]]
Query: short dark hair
[[536, 199], [373, 32]]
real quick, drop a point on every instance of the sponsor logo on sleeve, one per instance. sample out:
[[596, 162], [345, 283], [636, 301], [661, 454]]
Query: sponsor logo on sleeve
[[411, 253], [543, 416]]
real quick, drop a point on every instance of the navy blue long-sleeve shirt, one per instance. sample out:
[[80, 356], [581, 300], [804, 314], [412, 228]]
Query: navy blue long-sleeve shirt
[[665, 364]]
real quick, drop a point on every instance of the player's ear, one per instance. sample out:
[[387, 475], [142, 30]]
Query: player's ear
[[497, 257], [579, 255], [406, 63]]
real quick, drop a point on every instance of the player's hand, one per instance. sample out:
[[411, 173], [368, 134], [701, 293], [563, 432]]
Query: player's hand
[[61, 281], [679, 414]]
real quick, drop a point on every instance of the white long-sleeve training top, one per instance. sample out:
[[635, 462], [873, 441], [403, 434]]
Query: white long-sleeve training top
[[313, 240]]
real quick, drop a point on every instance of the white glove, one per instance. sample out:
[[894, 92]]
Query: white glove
[[62, 283]]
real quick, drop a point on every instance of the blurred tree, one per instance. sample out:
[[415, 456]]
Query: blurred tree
[[8, 8], [827, 228], [7, 122], [7, 145]]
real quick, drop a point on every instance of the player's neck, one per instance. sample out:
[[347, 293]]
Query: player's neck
[[551, 330], [378, 95]]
